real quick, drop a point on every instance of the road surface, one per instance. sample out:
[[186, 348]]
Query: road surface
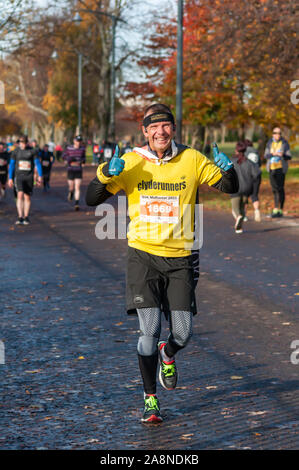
[[70, 378]]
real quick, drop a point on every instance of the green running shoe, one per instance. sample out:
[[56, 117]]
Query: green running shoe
[[168, 375], [151, 412], [276, 213]]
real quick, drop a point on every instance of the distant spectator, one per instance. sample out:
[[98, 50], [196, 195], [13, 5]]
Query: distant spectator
[[34, 144], [58, 152], [277, 153], [95, 153], [65, 143], [126, 148], [51, 146], [9, 146], [108, 148]]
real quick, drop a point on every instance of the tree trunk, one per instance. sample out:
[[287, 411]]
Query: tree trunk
[[103, 107], [223, 133]]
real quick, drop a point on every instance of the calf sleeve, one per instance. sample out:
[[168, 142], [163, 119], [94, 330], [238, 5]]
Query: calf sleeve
[[150, 328], [148, 368]]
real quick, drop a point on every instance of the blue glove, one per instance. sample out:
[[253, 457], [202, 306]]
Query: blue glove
[[220, 159], [116, 164]]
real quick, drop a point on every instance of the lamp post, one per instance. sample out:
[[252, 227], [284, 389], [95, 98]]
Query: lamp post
[[77, 19], [179, 72], [79, 92], [112, 88], [32, 122]]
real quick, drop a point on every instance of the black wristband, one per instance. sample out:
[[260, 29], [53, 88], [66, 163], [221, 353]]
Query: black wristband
[[105, 170]]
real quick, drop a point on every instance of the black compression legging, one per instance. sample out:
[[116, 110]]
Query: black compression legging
[[180, 325], [277, 178]]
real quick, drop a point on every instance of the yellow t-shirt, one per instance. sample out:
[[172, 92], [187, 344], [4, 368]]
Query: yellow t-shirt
[[161, 199], [276, 162]]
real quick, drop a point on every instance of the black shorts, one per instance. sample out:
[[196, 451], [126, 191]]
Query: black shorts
[[74, 174], [162, 282], [46, 171], [3, 178], [24, 183]]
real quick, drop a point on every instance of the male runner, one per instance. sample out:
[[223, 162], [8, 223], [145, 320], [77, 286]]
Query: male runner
[[161, 182], [22, 163], [4, 161], [74, 157], [47, 159]]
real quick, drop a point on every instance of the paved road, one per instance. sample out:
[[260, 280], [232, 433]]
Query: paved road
[[70, 378]]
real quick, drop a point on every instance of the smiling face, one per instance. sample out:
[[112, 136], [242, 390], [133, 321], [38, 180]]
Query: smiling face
[[159, 136]]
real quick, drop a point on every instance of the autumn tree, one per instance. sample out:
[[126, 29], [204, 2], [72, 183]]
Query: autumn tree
[[14, 16], [61, 99], [239, 61], [100, 19], [47, 88], [26, 75], [255, 46]]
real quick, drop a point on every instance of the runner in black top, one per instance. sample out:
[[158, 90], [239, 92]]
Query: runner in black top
[[4, 161], [22, 163], [47, 159]]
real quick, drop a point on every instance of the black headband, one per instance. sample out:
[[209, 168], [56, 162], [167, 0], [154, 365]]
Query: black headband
[[157, 117]]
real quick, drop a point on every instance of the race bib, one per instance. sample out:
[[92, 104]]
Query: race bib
[[3, 162], [107, 153], [45, 163], [24, 165], [159, 209], [275, 163]]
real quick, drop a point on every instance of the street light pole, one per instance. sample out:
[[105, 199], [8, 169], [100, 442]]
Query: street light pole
[[79, 92], [112, 90], [179, 72], [77, 19]]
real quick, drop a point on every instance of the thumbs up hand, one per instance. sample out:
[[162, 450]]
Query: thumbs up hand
[[220, 159], [116, 164]]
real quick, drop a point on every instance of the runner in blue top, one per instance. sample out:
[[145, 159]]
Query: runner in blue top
[[21, 175]]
